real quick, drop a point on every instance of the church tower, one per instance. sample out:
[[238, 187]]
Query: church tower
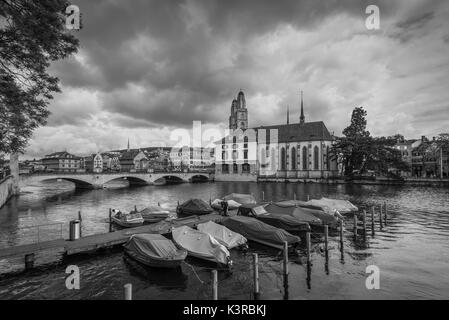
[[302, 118], [239, 113]]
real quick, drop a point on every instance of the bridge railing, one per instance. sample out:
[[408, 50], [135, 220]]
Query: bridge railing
[[46, 173]]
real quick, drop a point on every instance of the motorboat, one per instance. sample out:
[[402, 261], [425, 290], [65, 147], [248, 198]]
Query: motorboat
[[126, 220], [154, 250], [226, 237], [194, 207], [154, 214]]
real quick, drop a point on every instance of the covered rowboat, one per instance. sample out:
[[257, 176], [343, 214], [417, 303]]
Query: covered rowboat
[[201, 245], [194, 207], [154, 214], [154, 250]]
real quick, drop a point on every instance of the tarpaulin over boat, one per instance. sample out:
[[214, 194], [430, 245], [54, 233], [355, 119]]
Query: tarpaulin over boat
[[342, 206], [240, 198], [194, 207], [226, 237], [153, 245], [200, 245], [303, 214], [260, 232], [155, 214], [232, 205], [286, 222]]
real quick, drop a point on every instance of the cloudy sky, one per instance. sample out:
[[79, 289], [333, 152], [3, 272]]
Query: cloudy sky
[[147, 69]]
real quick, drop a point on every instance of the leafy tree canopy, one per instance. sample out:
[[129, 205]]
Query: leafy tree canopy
[[32, 35]]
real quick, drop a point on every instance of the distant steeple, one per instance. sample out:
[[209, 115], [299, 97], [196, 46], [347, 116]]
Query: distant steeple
[[302, 119], [128, 144], [288, 114]]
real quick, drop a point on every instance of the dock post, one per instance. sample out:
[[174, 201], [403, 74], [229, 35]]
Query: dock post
[[326, 238], [285, 258], [81, 223], [29, 261], [308, 197], [135, 208], [214, 285], [256, 276], [373, 232], [355, 225], [341, 240], [128, 291], [263, 195], [380, 218], [294, 196], [364, 223], [385, 213], [110, 220], [308, 246]]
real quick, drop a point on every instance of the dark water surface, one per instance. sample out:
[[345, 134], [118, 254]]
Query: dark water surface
[[412, 252]]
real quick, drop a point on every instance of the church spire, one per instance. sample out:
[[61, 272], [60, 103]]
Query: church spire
[[128, 144], [288, 114], [302, 119]]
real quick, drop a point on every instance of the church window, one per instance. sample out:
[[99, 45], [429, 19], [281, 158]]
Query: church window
[[315, 158], [304, 158]]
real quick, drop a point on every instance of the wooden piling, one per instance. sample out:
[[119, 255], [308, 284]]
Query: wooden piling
[[285, 258], [364, 223], [263, 196], [29, 261], [308, 246], [214, 285], [128, 291], [256, 276], [355, 225], [341, 236], [373, 231], [380, 218], [308, 197], [110, 220], [326, 238], [294, 196], [81, 223], [385, 213]]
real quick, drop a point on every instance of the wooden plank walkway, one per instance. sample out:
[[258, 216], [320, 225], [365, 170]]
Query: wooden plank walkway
[[12, 259]]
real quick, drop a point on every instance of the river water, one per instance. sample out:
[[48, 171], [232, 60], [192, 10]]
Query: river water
[[411, 252]]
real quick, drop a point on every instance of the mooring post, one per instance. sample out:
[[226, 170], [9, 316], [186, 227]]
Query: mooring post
[[29, 261], [294, 196], [135, 208], [355, 224], [385, 213], [263, 196], [308, 197], [256, 276], [308, 246], [214, 285], [81, 223], [128, 291], [285, 258], [110, 220], [341, 236], [373, 232], [380, 218], [326, 238]]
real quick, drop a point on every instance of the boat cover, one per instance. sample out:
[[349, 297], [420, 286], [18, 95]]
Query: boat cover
[[240, 198], [259, 231], [222, 234], [342, 206], [288, 223], [232, 205], [303, 214], [154, 210], [200, 244], [153, 245], [195, 207]]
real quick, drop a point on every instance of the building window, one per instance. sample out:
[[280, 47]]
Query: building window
[[293, 159], [225, 168], [245, 155], [304, 158], [315, 158], [245, 140], [283, 159], [328, 167], [245, 168], [235, 168]]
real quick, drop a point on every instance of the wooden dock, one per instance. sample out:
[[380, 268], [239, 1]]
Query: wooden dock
[[15, 259]]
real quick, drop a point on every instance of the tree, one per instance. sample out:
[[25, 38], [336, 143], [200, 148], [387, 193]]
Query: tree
[[32, 35], [360, 152]]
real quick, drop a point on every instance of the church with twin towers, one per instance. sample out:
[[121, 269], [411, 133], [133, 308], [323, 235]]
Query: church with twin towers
[[296, 151]]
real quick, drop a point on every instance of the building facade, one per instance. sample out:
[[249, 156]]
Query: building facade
[[287, 152], [61, 162]]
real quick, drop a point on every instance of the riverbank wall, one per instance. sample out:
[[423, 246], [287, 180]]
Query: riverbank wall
[[6, 190]]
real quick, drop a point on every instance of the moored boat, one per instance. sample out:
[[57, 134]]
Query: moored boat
[[154, 214], [222, 234], [194, 207], [285, 222], [341, 206], [154, 250], [127, 220], [240, 198], [260, 232], [201, 245]]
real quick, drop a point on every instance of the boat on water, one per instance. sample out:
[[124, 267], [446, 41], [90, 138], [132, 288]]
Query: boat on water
[[194, 207], [153, 214], [302, 214], [240, 198], [232, 205], [126, 220], [285, 222], [222, 234], [154, 250], [341, 206], [260, 232], [201, 245]]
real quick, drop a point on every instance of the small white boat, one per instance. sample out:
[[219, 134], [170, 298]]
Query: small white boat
[[341, 206], [226, 237], [154, 214], [127, 220], [201, 245]]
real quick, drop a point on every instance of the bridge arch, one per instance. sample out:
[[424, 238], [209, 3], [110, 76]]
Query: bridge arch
[[79, 183], [199, 178], [132, 180]]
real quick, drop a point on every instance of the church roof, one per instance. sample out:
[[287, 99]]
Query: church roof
[[308, 131]]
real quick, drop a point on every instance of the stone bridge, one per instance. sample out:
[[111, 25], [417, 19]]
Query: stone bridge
[[98, 180]]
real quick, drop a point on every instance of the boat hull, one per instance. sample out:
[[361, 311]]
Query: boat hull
[[156, 262]]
